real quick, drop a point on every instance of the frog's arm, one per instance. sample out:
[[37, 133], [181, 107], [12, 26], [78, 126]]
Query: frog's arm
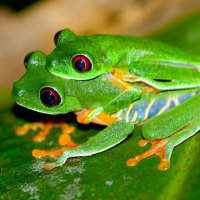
[[101, 115], [158, 65], [106, 139], [96, 116], [168, 130], [165, 76]]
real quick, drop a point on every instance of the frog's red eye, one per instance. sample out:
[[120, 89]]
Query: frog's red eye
[[81, 63], [49, 97]]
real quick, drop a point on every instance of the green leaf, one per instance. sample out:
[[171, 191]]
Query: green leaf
[[101, 176]]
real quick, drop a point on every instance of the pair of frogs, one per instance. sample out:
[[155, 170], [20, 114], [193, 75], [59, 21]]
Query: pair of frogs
[[116, 81]]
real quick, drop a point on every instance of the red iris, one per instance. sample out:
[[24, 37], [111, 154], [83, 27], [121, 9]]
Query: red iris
[[49, 97], [81, 63]]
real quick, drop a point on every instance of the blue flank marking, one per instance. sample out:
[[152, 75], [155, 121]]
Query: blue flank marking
[[140, 108], [171, 105], [123, 114], [156, 107], [184, 97]]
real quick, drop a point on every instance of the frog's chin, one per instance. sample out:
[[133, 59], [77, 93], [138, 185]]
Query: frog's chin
[[47, 110]]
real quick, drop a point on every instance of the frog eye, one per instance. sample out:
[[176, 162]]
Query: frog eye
[[27, 58], [49, 97], [81, 63], [56, 36]]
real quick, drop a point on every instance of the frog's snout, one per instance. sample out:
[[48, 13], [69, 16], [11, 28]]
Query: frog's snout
[[20, 92], [17, 92]]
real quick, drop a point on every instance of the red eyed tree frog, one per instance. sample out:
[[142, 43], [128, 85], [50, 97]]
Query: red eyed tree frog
[[116, 81]]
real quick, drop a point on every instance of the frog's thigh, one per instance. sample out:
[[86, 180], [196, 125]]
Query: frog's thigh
[[172, 121]]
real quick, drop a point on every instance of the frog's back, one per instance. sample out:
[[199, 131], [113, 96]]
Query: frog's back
[[144, 49]]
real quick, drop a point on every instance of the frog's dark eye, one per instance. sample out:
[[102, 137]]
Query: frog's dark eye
[[49, 97], [56, 37], [81, 63], [27, 58]]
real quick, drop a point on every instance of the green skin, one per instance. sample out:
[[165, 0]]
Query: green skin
[[94, 90], [151, 61]]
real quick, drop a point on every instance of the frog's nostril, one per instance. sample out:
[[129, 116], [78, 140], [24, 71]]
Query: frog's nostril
[[20, 92], [16, 93]]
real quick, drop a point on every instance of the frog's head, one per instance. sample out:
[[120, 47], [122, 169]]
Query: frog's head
[[40, 91], [44, 92], [78, 57]]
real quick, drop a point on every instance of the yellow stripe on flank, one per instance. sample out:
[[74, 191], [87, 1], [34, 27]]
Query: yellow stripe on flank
[[128, 113], [165, 107], [135, 116], [175, 100], [146, 112]]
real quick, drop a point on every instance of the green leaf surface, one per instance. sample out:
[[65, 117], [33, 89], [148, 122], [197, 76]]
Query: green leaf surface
[[102, 176]]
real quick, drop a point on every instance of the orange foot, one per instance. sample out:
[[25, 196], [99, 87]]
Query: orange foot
[[119, 82], [40, 153], [158, 148], [41, 136], [64, 140], [83, 117]]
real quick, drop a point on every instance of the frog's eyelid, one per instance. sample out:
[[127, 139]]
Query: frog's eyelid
[[56, 36], [27, 57], [64, 36]]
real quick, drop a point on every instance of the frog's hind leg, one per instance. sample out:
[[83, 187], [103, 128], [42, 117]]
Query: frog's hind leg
[[168, 130], [164, 147], [64, 140]]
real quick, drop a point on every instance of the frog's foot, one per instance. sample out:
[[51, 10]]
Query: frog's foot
[[122, 75], [150, 89], [41, 136], [119, 79], [118, 82], [96, 116], [84, 116], [158, 148], [40, 153], [64, 138]]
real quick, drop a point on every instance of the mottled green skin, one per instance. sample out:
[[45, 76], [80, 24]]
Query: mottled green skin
[[148, 60]]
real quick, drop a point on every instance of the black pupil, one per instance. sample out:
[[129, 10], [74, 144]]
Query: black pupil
[[80, 65], [48, 98]]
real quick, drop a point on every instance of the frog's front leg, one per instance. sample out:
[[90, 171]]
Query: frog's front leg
[[64, 139], [96, 116], [164, 133], [99, 116], [163, 85], [126, 80], [106, 139]]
